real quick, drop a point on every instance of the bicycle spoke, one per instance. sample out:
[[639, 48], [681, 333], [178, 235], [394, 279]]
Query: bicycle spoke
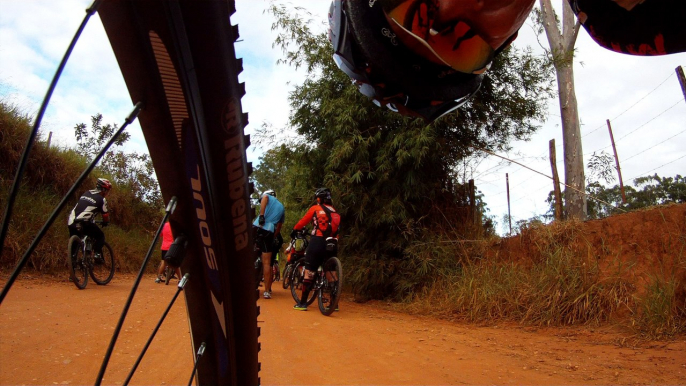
[[134, 288], [182, 284]]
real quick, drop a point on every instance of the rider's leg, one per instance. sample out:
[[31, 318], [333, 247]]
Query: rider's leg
[[307, 285], [160, 270], [97, 234], [267, 270], [314, 255]]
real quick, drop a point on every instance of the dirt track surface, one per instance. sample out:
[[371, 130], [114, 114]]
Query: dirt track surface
[[54, 334]]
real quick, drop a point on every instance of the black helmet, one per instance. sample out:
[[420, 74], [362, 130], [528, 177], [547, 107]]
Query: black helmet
[[269, 192], [371, 47], [323, 193], [103, 185]]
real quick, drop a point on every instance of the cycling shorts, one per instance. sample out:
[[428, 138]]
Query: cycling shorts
[[316, 253], [264, 240]]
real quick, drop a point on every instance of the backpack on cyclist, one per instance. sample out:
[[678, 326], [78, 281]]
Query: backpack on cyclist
[[177, 251], [331, 240]]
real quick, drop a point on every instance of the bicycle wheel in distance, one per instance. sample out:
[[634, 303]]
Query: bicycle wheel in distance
[[277, 273], [103, 270], [330, 293], [287, 272], [297, 282], [78, 273], [168, 273]]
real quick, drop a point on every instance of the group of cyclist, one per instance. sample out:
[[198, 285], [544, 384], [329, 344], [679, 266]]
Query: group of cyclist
[[325, 222], [267, 226]]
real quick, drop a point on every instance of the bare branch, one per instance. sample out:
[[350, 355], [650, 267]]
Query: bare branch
[[572, 38], [552, 30]]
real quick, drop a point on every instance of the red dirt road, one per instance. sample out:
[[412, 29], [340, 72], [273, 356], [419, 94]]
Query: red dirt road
[[53, 333]]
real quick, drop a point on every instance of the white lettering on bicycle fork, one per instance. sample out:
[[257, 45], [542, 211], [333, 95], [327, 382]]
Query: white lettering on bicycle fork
[[236, 177], [206, 237]]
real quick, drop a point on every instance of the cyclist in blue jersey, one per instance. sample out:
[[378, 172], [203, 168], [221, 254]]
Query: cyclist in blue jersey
[[268, 227], [90, 204]]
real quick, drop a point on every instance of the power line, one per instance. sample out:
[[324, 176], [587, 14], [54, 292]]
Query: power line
[[652, 119], [650, 171], [638, 128], [547, 176], [657, 144], [629, 108]]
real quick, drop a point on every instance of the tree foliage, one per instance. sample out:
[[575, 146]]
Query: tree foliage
[[394, 178], [132, 171]]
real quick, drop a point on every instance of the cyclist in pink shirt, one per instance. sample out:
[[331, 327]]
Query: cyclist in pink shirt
[[167, 240]]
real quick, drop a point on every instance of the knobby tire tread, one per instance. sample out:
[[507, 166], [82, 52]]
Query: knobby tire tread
[[108, 257], [77, 270], [178, 58], [334, 297]]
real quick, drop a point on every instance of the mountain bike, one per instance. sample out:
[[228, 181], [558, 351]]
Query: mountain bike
[[328, 281], [295, 251], [84, 262]]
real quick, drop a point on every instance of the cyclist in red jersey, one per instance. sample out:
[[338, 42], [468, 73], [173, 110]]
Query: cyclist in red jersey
[[325, 223]]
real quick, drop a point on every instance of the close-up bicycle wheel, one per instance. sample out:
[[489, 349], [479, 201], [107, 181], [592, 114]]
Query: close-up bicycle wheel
[[330, 293], [78, 272], [102, 271], [178, 58]]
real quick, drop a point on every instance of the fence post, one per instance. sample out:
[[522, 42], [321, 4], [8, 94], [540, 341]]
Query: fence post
[[556, 181], [509, 216], [682, 79], [619, 171], [49, 139]]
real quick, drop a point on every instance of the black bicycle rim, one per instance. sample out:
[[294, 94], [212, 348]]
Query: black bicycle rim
[[103, 272]]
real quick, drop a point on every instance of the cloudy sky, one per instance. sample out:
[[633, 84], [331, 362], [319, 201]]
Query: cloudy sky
[[640, 95]]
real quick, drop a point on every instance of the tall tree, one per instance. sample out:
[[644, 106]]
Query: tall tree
[[393, 176], [562, 50]]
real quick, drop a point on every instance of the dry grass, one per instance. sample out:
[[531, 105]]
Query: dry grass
[[555, 285], [49, 174]]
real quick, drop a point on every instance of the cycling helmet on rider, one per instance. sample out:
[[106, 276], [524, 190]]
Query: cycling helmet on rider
[[103, 185], [323, 193], [269, 192], [416, 57]]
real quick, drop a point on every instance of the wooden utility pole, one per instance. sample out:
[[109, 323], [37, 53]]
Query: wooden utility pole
[[556, 181], [49, 139], [472, 202], [682, 79], [509, 216], [619, 171]]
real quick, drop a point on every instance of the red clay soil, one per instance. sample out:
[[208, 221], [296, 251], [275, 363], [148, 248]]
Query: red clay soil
[[54, 334]]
